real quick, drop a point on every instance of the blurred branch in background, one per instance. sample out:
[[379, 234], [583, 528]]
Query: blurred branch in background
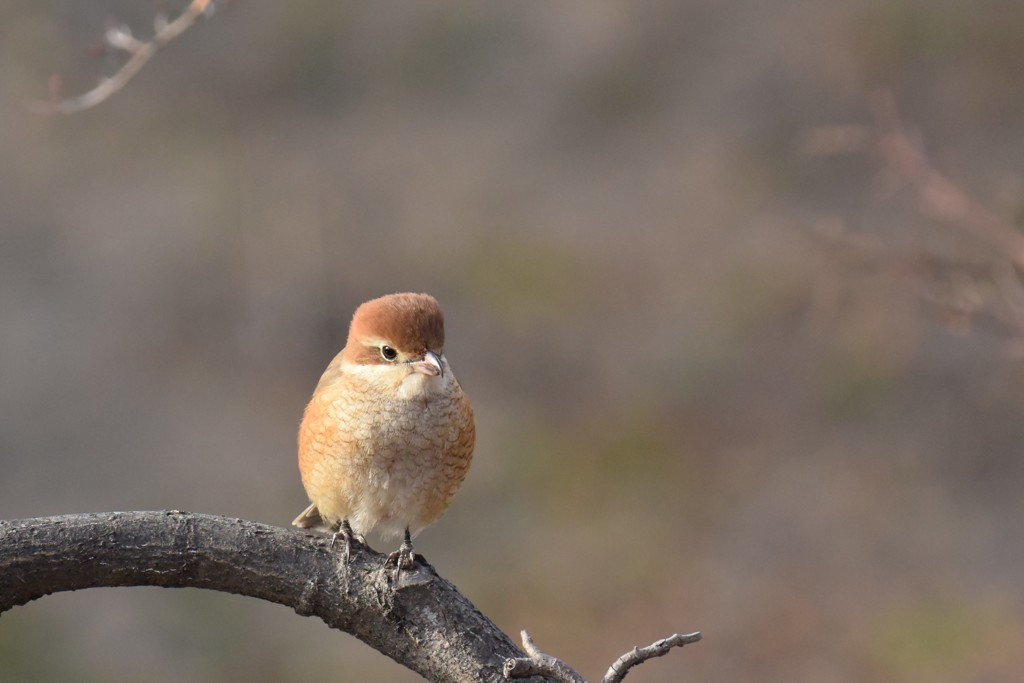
[[962, 288], [119, 38]]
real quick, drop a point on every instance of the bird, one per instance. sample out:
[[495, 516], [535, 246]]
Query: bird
[[388, 435]]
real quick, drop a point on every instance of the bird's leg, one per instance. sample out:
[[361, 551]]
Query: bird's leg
[[404, 557], [344, 529]]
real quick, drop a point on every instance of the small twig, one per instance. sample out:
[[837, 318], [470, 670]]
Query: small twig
[[622, 665], [120, 38], [539, 664]]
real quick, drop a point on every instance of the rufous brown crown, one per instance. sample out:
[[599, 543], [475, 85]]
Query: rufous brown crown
[[412, 323]]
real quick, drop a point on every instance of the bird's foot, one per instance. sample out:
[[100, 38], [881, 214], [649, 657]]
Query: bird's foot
[[400, 570], [344, 531], [403, 558]]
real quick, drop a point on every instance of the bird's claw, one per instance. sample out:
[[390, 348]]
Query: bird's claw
[[344, 530], [403, 558]]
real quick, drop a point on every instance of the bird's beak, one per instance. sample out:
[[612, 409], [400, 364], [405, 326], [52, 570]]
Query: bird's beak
[[429, 366]]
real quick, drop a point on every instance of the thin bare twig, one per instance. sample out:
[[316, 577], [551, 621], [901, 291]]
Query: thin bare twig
[[120, 38], [638, 655], [541, 664]]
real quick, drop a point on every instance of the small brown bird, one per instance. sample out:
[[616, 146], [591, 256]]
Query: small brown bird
[[388, 436]]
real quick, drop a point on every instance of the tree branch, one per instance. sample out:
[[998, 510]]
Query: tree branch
[[426, 625], [538, 663], [120, 38], [639, 655], [423, 622]]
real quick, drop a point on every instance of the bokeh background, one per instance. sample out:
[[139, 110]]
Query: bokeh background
[[699, 407]]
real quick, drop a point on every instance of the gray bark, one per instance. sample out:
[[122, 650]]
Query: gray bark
[[425, 625]]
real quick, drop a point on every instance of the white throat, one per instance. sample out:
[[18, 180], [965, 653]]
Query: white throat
[[399, 378]]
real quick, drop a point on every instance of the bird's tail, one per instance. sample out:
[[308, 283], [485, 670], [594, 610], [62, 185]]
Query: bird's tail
[[311, 519]]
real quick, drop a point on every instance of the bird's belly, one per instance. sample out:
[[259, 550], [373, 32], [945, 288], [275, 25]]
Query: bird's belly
[[394, 470], [402, 486]]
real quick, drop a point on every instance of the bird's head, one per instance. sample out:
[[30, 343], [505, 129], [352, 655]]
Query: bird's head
[[398, 336]]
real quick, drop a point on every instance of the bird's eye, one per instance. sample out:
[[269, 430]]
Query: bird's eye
[[388, 353]]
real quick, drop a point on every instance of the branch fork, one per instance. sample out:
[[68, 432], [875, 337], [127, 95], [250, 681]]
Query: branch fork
[[119, 37], [538, 663]]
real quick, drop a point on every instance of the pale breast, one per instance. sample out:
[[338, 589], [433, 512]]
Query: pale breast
[[385, 460]]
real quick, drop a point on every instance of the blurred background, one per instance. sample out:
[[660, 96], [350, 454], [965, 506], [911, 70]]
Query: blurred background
[[729, 371]]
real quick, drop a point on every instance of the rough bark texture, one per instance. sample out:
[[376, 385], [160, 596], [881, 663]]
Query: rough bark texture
[[426, 625]]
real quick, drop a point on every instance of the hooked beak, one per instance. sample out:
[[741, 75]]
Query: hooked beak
[[429, 366]]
